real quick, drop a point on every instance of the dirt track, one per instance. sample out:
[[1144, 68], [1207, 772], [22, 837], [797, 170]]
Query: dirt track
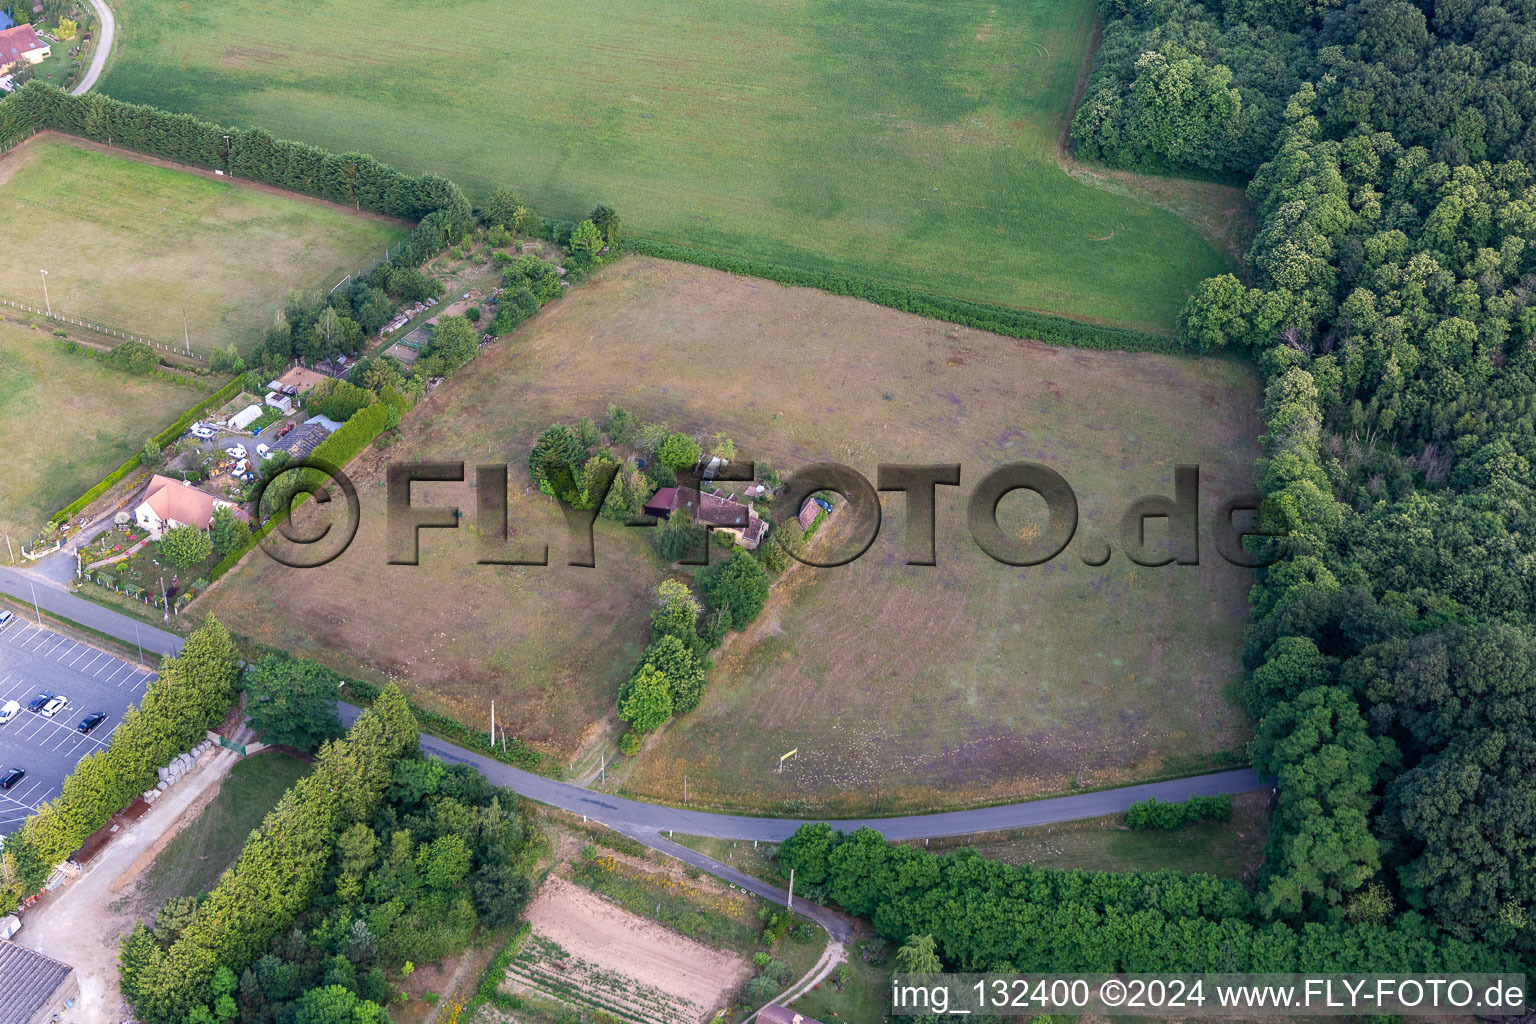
[[82, 923]]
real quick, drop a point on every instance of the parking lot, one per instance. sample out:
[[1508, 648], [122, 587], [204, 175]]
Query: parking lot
[[33, 661]]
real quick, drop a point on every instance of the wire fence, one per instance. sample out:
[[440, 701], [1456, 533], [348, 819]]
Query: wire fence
[[59, 317]]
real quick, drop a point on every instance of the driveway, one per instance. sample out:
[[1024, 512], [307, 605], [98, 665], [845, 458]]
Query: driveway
[[83, 922], [108, 26]]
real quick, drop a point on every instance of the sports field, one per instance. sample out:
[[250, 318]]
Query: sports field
[[910, 143], [68, 420], [953, 683], [131, 244]]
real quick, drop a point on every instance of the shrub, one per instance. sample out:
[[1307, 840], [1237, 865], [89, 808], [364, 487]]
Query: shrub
[[185, 546], [629, 743], [135, 357], [679, 452], [1153, 814]]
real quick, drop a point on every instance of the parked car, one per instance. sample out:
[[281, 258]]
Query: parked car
[[236, 451], [10, 711], [5, 619], [264, 451], [90, 722], [12, 777], [54, 706], [824, 503], [38, 701], [198, 430]]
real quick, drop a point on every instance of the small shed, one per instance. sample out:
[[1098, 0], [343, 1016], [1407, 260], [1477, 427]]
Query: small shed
[[280, 402], [245, 417]]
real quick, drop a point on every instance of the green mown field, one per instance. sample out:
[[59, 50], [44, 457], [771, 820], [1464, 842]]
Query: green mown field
[[132, 245], [68, 420], [912, 143]]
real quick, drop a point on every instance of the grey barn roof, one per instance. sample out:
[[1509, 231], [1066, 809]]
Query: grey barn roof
[[301, 441], [28, 981]]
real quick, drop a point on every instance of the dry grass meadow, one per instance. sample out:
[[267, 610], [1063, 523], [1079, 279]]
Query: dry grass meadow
[[959, 683]]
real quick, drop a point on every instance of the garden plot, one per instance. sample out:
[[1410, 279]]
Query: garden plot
[[593, 956]]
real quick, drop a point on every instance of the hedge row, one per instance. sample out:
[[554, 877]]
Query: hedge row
[[1012, 323], [162, 439], [279, 871], [1153, 814], [193, 693], [355, 179], [75, 348]]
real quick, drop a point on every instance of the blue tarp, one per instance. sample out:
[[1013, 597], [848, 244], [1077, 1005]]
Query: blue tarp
[[6, 21]]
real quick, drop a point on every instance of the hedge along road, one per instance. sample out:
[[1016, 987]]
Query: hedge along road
[[639, 819], [108, 25]]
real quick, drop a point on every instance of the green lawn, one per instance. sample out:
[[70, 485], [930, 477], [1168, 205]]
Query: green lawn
[[133, 245], [1230, 849], [913, 143], [193, 861], [68, 420]]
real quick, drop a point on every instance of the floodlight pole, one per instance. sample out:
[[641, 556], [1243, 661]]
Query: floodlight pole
[[140, 645], [35, 610], [47, 305]]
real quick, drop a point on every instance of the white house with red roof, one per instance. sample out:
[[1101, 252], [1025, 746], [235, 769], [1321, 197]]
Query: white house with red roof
[[169, 503]]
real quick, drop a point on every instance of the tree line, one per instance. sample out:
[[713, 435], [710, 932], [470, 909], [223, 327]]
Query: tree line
[[193, 693], [1388, 300], [984, 915], [278, 875]]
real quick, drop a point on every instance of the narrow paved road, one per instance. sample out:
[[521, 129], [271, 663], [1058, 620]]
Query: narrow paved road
[[635, 817], [108, 26]]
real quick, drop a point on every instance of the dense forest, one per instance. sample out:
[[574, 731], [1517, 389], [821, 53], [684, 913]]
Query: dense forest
[[1388, 301]]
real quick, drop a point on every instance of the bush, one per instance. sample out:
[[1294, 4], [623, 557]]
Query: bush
[[679, 452], [135, 357], [185, 546], [1153, 814], [629, 743]]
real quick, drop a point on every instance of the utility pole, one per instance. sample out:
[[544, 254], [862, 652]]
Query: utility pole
[[791, 905], [493, 723], [9, 548], [165, 606], [186, 336], [139, 644], [48, 305], [685, 794], [602, 769], [227, 147], [35, 610]]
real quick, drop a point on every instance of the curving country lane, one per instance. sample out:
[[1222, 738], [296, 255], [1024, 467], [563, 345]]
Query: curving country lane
[[637, 816], [108, 26]]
